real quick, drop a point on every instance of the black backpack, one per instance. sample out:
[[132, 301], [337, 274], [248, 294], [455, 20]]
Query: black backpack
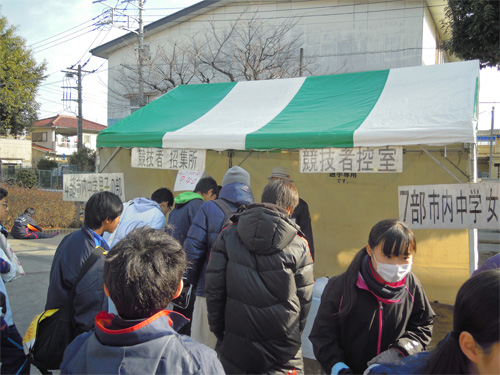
[[228, 211]]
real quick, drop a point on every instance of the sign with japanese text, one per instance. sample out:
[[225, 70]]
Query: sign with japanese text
[[352, 160], [168, 158], [79, 187], [455, 206], [187, 180]]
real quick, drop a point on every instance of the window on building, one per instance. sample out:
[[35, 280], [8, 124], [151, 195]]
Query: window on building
[[39, 137]]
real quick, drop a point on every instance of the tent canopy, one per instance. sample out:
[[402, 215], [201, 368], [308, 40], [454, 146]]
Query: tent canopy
[[425, 105]]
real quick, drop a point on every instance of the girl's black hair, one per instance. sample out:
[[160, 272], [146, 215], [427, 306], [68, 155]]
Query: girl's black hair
[[3, 193], [476, 311], [397, 239]]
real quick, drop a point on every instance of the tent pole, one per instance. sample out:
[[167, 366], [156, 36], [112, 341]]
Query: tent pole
[[473, 233], [441, 164], [109, 160]]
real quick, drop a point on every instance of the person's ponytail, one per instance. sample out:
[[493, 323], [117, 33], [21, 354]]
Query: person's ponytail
[[448, 358], [349, 289]]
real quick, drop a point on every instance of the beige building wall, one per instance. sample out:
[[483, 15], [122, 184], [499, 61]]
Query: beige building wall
[[15, 150], [343, 212]]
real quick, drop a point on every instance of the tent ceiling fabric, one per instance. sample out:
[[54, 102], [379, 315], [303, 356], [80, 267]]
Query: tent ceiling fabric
[[425, 105]]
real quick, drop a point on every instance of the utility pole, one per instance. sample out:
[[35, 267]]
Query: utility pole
[[491, 141], [140, 53], [79, 125], [140, 36]]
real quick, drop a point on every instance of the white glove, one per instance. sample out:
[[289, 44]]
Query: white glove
[[391, 355]]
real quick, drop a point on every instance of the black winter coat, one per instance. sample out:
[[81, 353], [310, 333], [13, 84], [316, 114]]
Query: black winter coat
[[406, 326], [259, 284], [68, 261], [19, 229]]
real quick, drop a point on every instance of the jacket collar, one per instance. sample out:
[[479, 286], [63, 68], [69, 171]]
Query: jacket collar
[[115, 331]]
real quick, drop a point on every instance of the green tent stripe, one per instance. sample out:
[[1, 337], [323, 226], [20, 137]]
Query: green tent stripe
[[146, 126], [325, 112]]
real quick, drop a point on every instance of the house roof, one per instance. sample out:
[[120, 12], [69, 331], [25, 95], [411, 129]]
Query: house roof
[[436, 9], [423, 105], [43, 149], [69, 122]]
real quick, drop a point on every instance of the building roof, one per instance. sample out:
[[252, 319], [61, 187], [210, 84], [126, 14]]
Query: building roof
[[43, 149], [436, 9], [68, 122]]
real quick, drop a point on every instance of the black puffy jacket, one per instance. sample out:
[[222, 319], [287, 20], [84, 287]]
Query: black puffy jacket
[[259, 284]]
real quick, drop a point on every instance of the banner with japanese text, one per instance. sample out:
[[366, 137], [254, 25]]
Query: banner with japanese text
[[79, 187], [352, 160], [168, 158], [454, 206]]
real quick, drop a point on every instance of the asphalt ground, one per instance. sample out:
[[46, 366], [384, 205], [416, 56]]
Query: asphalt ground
[[27, 294]]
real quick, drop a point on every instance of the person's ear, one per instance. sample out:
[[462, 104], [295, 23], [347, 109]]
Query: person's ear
[[369, 250], [179, 290], [468, 346]]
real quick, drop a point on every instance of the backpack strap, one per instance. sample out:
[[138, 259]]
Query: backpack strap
[[224, 206], [68, 305]]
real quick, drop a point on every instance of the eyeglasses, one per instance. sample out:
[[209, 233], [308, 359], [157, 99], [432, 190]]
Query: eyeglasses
[[4, 204]]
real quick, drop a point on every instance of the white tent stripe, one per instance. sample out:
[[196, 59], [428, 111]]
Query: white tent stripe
[[248, 107], [415, 100]]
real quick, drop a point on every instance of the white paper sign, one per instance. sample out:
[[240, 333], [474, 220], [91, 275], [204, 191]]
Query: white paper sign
[[79, 187], [187, 180], [352, 160], [454, 206], [168, 158]]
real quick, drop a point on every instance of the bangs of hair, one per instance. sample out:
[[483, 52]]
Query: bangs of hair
[[399, 240]]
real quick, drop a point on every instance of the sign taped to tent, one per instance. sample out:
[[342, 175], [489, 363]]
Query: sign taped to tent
[[168, 158], [352, 160], [80, 187], [454, 206]]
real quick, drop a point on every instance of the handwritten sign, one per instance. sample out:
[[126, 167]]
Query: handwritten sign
[[80, 187], [187, 180], [168, 158], [455, 206], [352, 160]]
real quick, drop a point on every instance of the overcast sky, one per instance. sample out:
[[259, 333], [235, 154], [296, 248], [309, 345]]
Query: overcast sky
[[63, 31]]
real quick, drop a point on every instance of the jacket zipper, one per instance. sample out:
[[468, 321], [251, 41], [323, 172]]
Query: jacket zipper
[[380, 309]]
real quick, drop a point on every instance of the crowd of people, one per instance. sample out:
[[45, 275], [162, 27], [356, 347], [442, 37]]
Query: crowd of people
[[251, 268]]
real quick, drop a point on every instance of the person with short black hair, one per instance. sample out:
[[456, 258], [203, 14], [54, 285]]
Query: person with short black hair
[[26, 228], [259, 284], [139, 212], [180, 219], [187, 205], [12, 356], [142, 274], [102, 214]]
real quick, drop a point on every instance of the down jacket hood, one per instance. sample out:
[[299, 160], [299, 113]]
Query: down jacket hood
[[265, 228]]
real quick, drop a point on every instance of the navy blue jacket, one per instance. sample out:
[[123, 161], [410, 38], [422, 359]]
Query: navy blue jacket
[[68, 261], [414, 364], [181, 218], [150, 346], [206, 227]]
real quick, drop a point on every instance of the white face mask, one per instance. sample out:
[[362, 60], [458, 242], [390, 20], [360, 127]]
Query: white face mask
[[392, 273]]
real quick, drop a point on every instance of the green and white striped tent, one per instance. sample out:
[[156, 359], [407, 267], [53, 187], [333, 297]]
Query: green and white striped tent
[[426, 105]]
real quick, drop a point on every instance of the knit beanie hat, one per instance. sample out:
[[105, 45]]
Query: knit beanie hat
[[236, 174]]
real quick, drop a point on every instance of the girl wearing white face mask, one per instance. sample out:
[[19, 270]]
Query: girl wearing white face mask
[[377, 310]]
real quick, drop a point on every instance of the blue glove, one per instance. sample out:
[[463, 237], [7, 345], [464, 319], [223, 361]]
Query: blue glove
[[4, 266], [341, 368]]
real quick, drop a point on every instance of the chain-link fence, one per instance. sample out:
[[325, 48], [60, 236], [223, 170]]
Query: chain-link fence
[[47, 179]]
